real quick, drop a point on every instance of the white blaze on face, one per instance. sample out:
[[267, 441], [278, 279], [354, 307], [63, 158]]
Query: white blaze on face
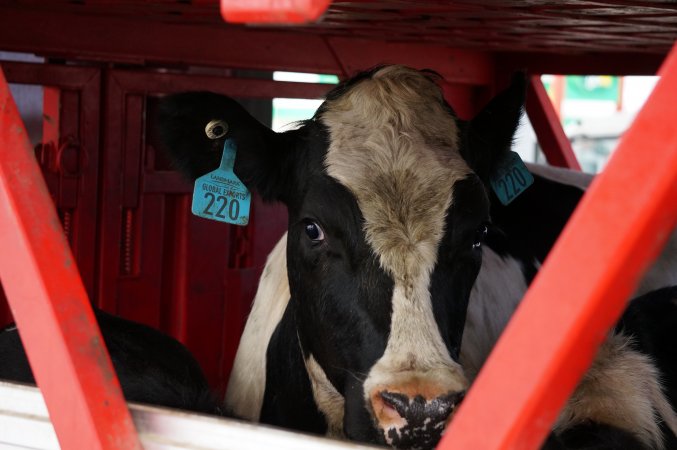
[[395, 147]]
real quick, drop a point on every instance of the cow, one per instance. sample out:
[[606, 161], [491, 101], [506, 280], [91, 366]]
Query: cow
[[153, 368], [358, 326], [522, 234], [631, 388]]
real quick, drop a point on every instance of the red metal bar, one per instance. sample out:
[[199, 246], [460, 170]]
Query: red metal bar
[[454, 65], [273, 11], [80, 87], [49, 303], [558, 93], [163, 83], [618, 229], [554, 142], [178, 44], [574, 64]]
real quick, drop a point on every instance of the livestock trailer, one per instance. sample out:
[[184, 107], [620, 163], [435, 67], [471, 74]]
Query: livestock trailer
[[88, 171]]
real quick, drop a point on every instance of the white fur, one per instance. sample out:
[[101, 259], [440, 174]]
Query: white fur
[[247, 382], [329, 401], [498, 290], [565, 176]]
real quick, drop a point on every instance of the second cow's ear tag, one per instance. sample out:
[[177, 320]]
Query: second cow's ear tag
[[220, 195], [511, 178]]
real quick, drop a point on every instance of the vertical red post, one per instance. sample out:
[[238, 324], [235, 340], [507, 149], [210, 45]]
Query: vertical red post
[[558, 94], [49, 303], [51, 112], [544, 118], [619, 228]]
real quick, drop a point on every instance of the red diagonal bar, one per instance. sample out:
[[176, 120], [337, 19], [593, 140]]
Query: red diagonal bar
[[555, 144], [49, 303], [616, 232], [273, 11]]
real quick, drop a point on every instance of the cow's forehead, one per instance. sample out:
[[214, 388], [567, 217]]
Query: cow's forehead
[[394, 145]]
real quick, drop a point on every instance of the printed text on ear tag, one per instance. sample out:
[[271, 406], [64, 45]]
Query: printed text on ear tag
[[220, 195], [511, 178]]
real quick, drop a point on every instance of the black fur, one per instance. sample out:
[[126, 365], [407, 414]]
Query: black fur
[[534, 220], [458, 262], [261, 163], [488, 137], [153, 368], [287, 383], [594, 436]]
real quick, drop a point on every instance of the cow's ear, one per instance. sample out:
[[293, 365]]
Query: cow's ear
[[489, 136], [193, 127]]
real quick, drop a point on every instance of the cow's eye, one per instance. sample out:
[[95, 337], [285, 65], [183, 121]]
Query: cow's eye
[[314, 231], [480, 235]]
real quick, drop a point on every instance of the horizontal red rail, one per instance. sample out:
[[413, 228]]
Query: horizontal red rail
[[619, 228], [49, 303]]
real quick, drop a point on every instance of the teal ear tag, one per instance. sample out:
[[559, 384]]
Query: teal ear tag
[[511, 178], [220, 195]]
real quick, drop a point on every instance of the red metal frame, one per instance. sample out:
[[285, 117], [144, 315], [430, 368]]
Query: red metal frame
[[72, 98], [50, 305], [555, 144], [232, 47], [619, 228], [576, 64], [539, 343]]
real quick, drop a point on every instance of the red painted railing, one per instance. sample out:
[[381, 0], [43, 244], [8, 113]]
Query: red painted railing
[[50, 305], [555, 144]]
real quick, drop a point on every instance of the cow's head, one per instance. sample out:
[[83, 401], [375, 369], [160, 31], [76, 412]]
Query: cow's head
[[387, 203]]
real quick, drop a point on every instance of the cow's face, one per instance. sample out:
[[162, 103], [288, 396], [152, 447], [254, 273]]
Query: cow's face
[[386, 217]]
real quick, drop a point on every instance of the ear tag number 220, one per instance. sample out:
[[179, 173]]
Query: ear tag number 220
[[220, 195], [512, 177]]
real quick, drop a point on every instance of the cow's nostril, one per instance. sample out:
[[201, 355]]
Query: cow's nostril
[[398, 402], [419, 408], [441, 407]]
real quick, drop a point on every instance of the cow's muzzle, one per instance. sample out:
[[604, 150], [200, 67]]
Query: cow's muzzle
[[413, 422]]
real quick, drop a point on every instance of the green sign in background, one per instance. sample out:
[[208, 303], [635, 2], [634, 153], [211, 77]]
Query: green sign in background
[[589, 87], [598, 87]]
